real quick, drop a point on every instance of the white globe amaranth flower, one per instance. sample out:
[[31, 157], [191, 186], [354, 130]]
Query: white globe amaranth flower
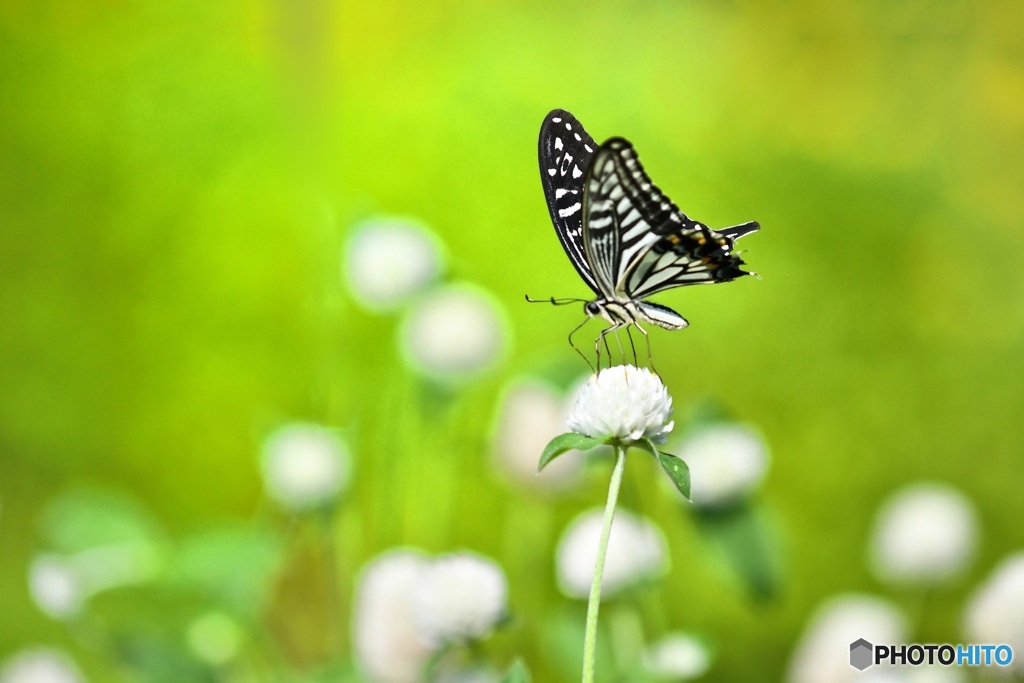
[[480, 674], [726, 461], [461, 597], [995, 611], [56, 587], [388, 644], [636, 552], [305, 466], [40, 665], [677, 657], [454, 332], [924, 533], [388, 259], [933, 674], [530, 414], [822, 653], [624, 402], [912, 674]]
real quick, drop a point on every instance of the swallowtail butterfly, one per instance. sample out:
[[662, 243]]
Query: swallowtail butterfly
[[626, 238]]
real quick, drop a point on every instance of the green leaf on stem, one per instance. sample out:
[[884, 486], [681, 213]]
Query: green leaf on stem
[[516, 673], [648, 446], [675, 468], [566, 442], [745, 540], [677, 471]]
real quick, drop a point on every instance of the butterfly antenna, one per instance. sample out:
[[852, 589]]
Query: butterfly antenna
[[554, 301]]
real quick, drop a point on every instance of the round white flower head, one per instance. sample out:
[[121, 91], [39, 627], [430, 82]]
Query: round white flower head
[[995, 612], [454, 332], [636, 551], [822, 654], [624, 402], [214, 638], [933, 674], [305, 466], [388, 259], [726, 461], [474, 675], [530, 414], [55, 586], [924, 533], [677, 657], [387, 641], [915, 674], [461, 598], [40, 665]]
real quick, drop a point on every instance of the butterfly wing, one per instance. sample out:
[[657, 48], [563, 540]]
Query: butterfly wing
[[640, 242], [565, 152]]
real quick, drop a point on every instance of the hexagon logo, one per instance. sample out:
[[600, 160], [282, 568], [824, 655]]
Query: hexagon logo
[[860, 654]]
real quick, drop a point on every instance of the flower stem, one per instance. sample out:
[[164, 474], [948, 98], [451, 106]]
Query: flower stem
[[594, 603]]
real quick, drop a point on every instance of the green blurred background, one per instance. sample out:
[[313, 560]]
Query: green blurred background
[[177, 181]]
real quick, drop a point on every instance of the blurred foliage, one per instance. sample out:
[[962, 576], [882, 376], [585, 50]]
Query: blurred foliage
[[176, 182]]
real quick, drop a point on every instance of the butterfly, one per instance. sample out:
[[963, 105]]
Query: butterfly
[[626, 239]]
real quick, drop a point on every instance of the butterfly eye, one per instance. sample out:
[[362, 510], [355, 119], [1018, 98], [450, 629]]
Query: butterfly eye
[[592, 308]]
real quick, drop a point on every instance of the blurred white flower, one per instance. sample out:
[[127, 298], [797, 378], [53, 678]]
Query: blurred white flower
[[677, 657], [924, 533], [934, 674], [453, 332], [215, 638], [876, 675], [636, 551], [461, 597], [388, 259], [530, 414], [822, 654], [726, 461], [39, 665], [626, 402], [305, 466], [914, 674], [387, 641], [475, 675], [995, 612], [55, 586]]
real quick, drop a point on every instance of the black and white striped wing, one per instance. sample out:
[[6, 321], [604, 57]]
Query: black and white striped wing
[[565, 154], [639, 241], [624, 214], [695, 254]]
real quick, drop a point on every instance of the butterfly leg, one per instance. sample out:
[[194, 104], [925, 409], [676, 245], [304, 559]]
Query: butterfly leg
[[650, 356], [603, 337], [618, 340], [576, 349], [632, 346]]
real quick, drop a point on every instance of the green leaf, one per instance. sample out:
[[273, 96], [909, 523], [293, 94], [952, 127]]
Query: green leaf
[[745, 542], [566, 442], [109, 537], [83, 519], [647, 445], [516, 673], [233, 565], [677, 471]]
